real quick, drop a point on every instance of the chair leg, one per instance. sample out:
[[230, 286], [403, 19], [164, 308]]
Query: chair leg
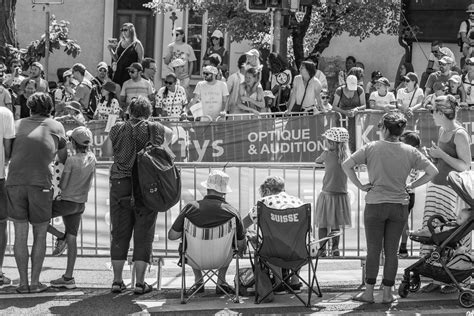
[[183, 279]]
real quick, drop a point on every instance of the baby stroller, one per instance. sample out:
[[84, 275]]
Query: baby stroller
[[445, 264]]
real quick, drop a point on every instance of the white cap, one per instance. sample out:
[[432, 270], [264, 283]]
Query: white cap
[[351, 83], [217, 34]]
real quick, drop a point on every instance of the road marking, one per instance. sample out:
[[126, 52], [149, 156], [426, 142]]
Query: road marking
[[44, 294]]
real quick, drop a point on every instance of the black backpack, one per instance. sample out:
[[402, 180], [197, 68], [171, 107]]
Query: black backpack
[[158, 178]]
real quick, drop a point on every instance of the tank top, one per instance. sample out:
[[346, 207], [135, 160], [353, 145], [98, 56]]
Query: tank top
[[346, 103], [444, 168]]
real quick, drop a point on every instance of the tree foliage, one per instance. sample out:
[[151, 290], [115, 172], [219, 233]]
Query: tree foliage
[[311, 30]]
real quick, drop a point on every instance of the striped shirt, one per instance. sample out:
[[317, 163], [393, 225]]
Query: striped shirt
[[132, 89]]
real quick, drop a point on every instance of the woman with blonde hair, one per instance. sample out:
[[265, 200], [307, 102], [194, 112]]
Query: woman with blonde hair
[[128, 50], [251, 93]]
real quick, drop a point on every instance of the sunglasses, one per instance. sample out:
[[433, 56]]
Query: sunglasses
[[123, 30], [169, 83], [102, 70], [324, 98], [207, 73], [407, 80], [132, 72]]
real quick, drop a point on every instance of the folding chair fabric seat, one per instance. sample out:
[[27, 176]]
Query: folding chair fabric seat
[[208, 249], [283, 238]]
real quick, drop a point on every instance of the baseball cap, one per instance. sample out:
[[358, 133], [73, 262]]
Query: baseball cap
[[102, 64], [82, 135], [351, 83], [136, 66], [211, 69], [217, 34], [446, 60], [455, 78], [384, 81], [337, 134], [411, 76], [470, 8], [74, 105], [37, 64], [253, 52], [217, 181]]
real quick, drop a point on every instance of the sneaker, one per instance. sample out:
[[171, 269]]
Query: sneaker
[[402, 254], [195, 288], [225, 287], [59, 246], [280, 289], [39, 288], [142, 288], [62, 282], [296, 288], [336, 253], [4, 280], [118, 287]]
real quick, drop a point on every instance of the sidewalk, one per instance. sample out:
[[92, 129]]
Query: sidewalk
[[339, 280]]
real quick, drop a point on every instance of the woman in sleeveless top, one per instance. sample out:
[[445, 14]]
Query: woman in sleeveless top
[[128, 51], [348, 100], [251, 94], [453, 152]]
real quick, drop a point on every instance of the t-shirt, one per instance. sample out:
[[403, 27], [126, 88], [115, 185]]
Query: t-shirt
[[185, 52], [446, 52], [132, 89], [406, 97], [211, 97], [388, 165], [438, 77], [468, 84], [382, 101], [5, 98], [41, 84], [80, 168], [7, 131], [335, 179], [209, 212], [299, 89], [83, 93], [173, 103], [36, 143], [463, 28], [322, 78]]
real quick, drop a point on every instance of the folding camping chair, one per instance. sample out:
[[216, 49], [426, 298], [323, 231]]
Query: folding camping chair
[[208, 250], [283, 240]]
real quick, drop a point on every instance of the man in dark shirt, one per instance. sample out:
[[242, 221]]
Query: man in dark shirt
[[211, 211]]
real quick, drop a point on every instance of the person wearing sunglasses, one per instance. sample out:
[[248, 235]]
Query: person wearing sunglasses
[[389, 163], [438, 51], [325, 105], [451, 152], [134, 87], [211, 93], [411, 97], [171, 99], [443, 74], [468, 81], [128, 50]]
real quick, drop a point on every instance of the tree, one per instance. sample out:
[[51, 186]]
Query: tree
[[311, 31], [7, 24]]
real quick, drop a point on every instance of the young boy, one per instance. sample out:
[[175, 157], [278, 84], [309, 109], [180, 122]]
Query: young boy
[[382, 99], [413, 139], [75, 183]]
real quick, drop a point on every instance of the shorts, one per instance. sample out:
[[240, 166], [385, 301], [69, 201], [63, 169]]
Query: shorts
[[71, 213], [29, 203], [3, 201]]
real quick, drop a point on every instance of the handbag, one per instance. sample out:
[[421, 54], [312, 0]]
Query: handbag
[[299, 107], [246, 279]]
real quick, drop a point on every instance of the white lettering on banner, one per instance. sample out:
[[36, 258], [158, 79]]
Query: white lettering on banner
[[217, 150], [284, 148], [200, 150], [365, 133], [296, 134], [290, 218], [215, 145]]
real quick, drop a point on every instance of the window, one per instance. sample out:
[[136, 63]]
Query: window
[[195, 38]]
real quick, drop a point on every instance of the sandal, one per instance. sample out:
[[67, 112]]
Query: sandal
[[118, 287], [23, 289], [142, 288], [448, 289]]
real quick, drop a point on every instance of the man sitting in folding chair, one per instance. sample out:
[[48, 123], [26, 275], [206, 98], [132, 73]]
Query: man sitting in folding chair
[[273, 194], [211, 211]]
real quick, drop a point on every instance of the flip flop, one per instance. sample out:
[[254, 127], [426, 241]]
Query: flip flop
[[23, 289], [359, 298]]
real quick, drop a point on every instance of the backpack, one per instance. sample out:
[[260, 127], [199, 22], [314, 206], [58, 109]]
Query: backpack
[[158, 178], [468, 31]]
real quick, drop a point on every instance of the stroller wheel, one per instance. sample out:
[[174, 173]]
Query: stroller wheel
[[403, 289], [465, 299], [415, 282]]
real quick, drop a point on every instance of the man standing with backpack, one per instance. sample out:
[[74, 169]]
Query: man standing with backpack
[[129, 212]]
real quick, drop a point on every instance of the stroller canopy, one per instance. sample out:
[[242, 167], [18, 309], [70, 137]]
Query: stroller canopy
[[463, 184]]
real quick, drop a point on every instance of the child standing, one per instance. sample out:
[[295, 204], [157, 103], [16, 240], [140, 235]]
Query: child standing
[[333, 205], [75, 184], [413, 139]]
